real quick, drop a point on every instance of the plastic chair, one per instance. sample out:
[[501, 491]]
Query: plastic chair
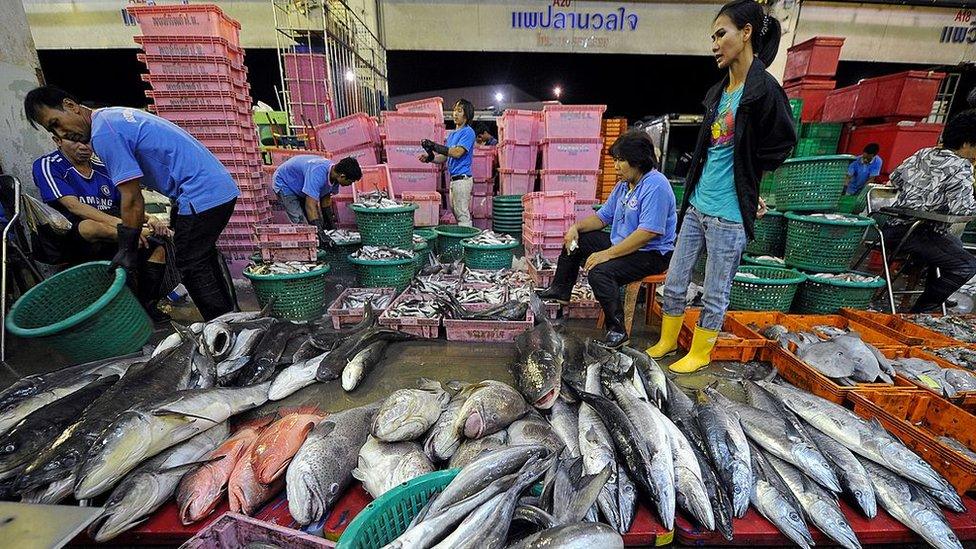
[[630, 300]]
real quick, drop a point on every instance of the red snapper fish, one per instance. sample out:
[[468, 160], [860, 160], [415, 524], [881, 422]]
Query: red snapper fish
[[280, 441]]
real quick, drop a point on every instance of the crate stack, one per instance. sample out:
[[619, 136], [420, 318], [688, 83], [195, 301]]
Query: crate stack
[[402, 131], [612, 129], [519, 134], [199, 82], [809, 75], [287, 242], [546, 217], [309, 87], [483, 173], [572, 149]]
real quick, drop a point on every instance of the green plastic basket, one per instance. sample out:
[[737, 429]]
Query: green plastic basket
[[811, 184], [387, 273], [420, 252], [428, 235], [824, 296], [767, 189], [488, 257], [753, 260], [822, 130], [388, 516], [770, 233], [853, 203], [449, 239], [807, 147], [391, 227], [774, 290], [84, 313], [298, 297], [822, 245], [337, 258]]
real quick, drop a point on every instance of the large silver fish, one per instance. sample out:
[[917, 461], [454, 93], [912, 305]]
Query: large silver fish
[[444, 439], [596, 447], [385, 465], [490, 407], [295, 377], [362, 363], [774, 500], [409, 413], [217, 339], [729, 449], [851, 474], [584, 535]]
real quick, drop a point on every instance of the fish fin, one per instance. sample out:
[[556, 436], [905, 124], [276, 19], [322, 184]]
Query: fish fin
[[326, 428], [266, 310], [429, 384], [309, 409], [192, 464], [168, 412], [256, 423]]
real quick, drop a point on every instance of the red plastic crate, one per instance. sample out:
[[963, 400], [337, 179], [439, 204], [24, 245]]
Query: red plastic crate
[[428, 214], [584, 182], [422, 179], [897, 140], [561, 204], [366, 155], [193, 65], [186, 20], [344, 133], [840, 104], [516, 181], [517, 156], [483, 162], [426, 328], [905, 95], [547, 226], [572, 121], [814, 95], [344, 317], [432, 105], [413, 126], [403, 154], [571, 154], [520, 126], [817, 57]]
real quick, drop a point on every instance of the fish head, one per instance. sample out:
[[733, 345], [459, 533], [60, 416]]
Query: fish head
[[128, 506], [308, 501], [10, 452], [537, 378], [118, 450], [199, 494]]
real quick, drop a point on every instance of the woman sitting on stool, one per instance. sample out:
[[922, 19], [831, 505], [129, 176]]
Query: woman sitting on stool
[[642, 211]]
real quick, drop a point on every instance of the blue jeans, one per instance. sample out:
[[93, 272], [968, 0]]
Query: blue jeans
[[724, 242]]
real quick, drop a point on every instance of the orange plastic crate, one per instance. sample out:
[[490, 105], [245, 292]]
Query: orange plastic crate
[[964, 399], [798, 373], [905, 331], [740, 344], [881, 337]]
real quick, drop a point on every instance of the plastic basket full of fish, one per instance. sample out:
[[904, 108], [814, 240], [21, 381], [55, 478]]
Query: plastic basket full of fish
[[827, 293], [485, 313], [383, 221], [414, 313], [489, 250], [913, 333], [384, 266], [350, 306], [344, 242], [295, 289]]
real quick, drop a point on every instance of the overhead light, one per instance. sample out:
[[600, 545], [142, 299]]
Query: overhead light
[[350, 76], [557, 91], [499, 97]]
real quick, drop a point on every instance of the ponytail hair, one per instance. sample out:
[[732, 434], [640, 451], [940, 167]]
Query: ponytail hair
[[766, 30]]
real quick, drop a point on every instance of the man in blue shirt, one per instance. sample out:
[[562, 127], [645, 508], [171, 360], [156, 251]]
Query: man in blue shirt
[[864, 170], [458, 153], [642, 210], [306, 183], [484, 136], [140, 149]]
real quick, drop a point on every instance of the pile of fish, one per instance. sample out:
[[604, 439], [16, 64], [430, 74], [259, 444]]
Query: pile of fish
[[284, 267], [740, 275], [510, 310], [963, 357], [378, 200], [836, 217], [836, 353], [343, 237], [379, 253], [437, 270], [948, 382], [492, 295], [521, 293], [770, 259], [541, 263], [956, 327], [845, 277], [475, 276], [433, 285], [414, 306], [491, 238], [359, 297]]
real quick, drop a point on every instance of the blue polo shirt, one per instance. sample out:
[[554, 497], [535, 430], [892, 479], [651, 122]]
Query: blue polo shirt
[[861, 172], [56, 178], [461, 137], [135, 144], [305, 174], [650, 206]]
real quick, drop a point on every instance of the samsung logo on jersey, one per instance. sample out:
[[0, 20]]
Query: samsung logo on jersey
[[618, 20]]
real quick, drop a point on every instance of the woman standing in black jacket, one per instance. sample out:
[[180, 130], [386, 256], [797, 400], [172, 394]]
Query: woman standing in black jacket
[[747, 130]]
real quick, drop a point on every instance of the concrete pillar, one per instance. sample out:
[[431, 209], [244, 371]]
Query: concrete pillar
[[19, 72], [788, 13]]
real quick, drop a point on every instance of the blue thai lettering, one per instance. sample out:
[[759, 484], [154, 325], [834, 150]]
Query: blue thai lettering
[[598, 26], [618, 20], [559, 21], [611, 22], [632, 19], [545, 18]]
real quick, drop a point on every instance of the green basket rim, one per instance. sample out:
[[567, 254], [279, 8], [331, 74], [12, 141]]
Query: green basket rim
[[800, 277], [879, 283], [380, 262], [862, 221], [511, 245], [294, 276], [750, 259], [822, 158], [426, 234], [773, 212], [420, 246], [507, 198], [441, 231], [111, 293], [399, 209]]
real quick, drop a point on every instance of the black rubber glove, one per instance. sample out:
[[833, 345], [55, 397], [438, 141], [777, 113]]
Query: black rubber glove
[[324, 240], [127, 256], [429, 145]]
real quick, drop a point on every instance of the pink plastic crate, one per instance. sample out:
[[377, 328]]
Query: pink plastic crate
[[415, 179], [284, 233], [433, 106], [427, 328], [548, 250], [346, 133], [540, 278], [234, 154], [309, 92], [483, 188], [344, 215], [402, 154], [583, 309], [205, 20], [584, 208], [344, 317], [483, 223], [366, 155], [486, 331], [305, 253], [571, 154], [481, 206], [548, 226], [517, 156], [572, 121], [170, 83], [517, 182], [191, 45], [427, 215], [554, 203], [375, 178], [193, 65], [584, 182], [520, 126], [224, 140], [310, 114], [483, 162], [413, 126], [280, 155], [307, 66], [215, 125]]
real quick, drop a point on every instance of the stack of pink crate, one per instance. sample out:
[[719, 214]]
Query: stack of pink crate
[[572, 148], [546, 217], [356, 136], [519, 133], [287, 242], [309, 91], [403, 130], [483, 172], [199, 82]]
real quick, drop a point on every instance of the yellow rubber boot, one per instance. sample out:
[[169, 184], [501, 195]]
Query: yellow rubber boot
[[700, 354], [670, 326]]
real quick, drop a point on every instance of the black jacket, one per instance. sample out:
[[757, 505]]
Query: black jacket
[[764, 136]]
